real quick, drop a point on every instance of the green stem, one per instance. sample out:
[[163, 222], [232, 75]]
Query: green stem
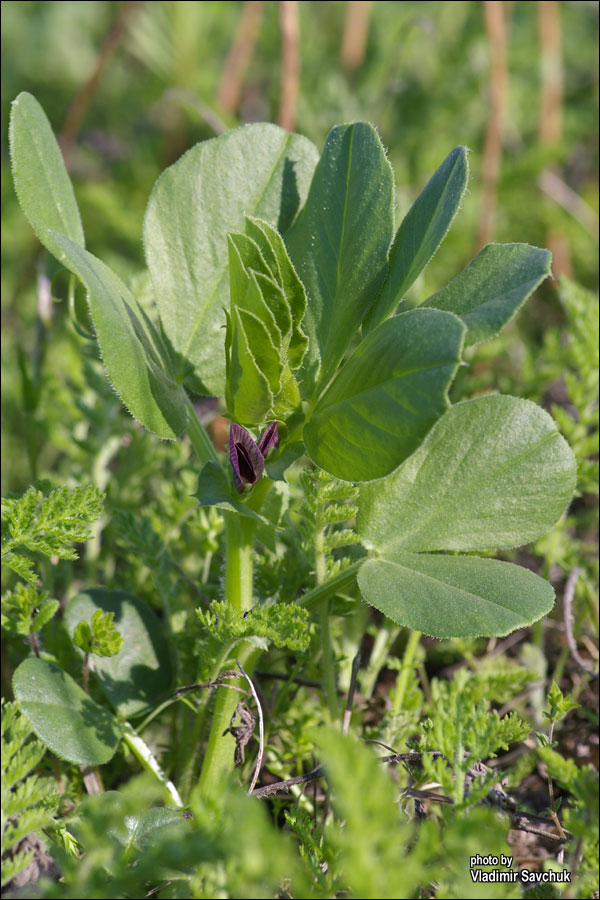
[[407, 663], [198, 435], [329, 674], [337, 585], [384, 639], [239, 560]]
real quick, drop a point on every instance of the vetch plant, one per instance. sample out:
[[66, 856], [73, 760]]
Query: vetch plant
[[278, 280]]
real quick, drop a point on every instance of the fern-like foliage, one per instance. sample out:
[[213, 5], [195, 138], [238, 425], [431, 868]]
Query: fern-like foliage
[[329, 504], [283, 624], [24, 611], [28, 801], [48, 524]]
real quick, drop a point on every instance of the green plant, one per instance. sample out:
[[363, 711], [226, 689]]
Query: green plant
[[278, 279]]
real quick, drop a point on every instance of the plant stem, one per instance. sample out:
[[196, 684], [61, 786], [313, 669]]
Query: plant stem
[[86, 672], [407, 662], [197, 434], [239, 536], [381, 647], [329, 676], [336, 585]]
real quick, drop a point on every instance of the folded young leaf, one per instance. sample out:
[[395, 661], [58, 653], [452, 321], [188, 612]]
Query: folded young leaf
[[136, 363], [286, 277], [260, 170], [42, 183], [422, 231], [246, 264], [141, 672], [74, 726], [339, 244], [384, 400], [492, 473], [260, 308], [493, 287], [454, 596], [249, 395]]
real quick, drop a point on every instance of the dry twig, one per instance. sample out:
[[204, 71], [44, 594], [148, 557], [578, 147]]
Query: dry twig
[[239, 56], [290, 63], [81, 102]]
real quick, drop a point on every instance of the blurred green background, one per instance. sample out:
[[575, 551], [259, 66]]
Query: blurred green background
[[130, 86]]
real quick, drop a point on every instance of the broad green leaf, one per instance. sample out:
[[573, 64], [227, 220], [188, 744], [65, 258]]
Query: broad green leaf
[[41, 180], [141, 672], [215, 489], [422, 231], [136, 364], [340, 241], [490, 290], [385, 399], [257, 170], [62, 715], [492, 473], [454, 596]]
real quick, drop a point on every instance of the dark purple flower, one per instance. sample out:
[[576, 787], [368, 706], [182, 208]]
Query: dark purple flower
[[247, 457], [268, 438]]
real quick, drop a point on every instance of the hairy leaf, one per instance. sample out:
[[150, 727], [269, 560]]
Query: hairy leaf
[[493, 287], [454, 596], [73, 725], [422, 231], [256, 170], [42, 183], [137, 365], [493, 473], [386, 397], [340, 242]]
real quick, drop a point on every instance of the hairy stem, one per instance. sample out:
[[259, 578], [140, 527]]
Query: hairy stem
[[407, 664], [197, 434], [329, 675], [238, 592]]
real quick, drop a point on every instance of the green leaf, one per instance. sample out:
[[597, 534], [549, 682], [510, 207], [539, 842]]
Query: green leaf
[[422, 231], [257, 170], [277, 465], [135, 362], [42, 184], [454, 596], [101, 637], [25, 611], [141, 672], [387, 396], [559, 704], [214, 489], [340, 241], [492, 473], [62, 715], [47, 524], [249, 395], [285, 276], [493, 287]]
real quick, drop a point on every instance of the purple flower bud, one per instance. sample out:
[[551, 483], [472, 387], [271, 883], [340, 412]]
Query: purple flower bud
[[247, 457], [268, 438]]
